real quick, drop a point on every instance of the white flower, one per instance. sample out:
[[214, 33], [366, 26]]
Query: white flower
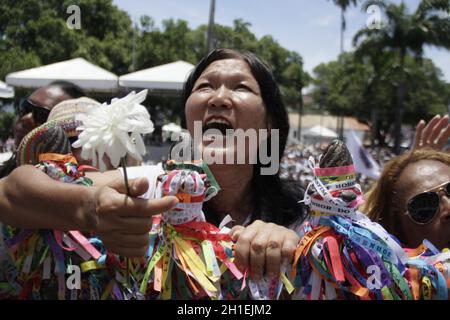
[[115, 130]]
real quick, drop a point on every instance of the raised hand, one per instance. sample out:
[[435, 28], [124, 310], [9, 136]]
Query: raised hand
[[433, 135]]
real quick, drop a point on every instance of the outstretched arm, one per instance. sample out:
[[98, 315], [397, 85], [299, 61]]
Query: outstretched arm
[[30, 199]]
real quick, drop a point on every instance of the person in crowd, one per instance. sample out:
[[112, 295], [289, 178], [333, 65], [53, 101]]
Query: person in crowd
[[58, 133], [412, 197], [34, 110], [158, 122], [227, 90]]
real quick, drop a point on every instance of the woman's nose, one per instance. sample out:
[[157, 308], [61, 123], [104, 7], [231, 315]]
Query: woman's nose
[[220, 98]]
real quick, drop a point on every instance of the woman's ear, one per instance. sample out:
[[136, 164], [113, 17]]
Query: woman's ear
[[392, 220]]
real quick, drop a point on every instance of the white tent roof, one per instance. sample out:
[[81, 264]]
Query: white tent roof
[[5, 156], [172, 127], [78, 71], [169, 76], [319, 131], [6, 91]]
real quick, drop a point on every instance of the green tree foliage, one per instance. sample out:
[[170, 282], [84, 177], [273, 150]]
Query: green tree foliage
[[175, 40], [355, 88], [34, 32], [407, 33], [344, 5], [6, 125]]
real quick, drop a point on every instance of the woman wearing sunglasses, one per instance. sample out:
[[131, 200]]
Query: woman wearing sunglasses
[[412, 198]]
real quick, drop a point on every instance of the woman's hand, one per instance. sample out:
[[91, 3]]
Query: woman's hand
[[433, 135], [123, 222], [263, 248]]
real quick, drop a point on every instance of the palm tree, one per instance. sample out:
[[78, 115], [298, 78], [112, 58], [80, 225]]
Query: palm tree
[[406, 33], [381, 62], [343, 4], [210, 35]]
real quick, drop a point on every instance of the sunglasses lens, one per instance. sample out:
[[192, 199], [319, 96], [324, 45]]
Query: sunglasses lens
[[25, 108], [40, 115], [424, 207], [72, 140], [447, 189]]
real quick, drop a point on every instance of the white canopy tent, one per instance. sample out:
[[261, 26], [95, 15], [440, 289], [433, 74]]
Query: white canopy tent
[[170, 128], [78, 71], [5, 156], [319, 134], [320, 131], [169, 76], [6, 92]]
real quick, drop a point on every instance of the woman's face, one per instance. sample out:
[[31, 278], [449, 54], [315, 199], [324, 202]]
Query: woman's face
[[226, 96], [415, 179]]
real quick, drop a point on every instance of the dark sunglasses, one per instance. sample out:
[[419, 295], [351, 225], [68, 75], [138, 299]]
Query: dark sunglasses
[[424, 207], [40, 114], [72, 140]]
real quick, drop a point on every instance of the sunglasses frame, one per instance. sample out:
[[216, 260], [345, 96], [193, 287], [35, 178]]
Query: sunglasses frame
[[436, 190], [40, 113]]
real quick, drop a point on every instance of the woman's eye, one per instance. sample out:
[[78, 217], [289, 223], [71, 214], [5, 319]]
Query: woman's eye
[[203, 85], [243, 87]]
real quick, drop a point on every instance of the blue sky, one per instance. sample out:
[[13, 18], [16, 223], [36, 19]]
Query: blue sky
[[309, 27]]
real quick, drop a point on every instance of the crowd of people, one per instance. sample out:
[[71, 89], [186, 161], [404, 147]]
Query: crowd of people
[[295, 163]]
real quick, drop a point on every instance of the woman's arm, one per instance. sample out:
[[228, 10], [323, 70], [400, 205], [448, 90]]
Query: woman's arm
[[30, 199]]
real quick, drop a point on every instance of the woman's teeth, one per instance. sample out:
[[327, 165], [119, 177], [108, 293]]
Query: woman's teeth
[[223, 127], [220, 121]]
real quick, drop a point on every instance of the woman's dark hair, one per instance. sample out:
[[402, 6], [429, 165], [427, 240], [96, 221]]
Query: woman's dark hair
[[276, 200]]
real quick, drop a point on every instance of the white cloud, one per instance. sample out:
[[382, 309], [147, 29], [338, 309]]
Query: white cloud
[[441, 58]]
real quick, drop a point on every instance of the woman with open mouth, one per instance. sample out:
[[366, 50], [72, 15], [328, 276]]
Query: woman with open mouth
[[228, 90]]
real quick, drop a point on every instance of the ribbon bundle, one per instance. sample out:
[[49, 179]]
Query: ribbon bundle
[[188, 256], [341, 255], [344, 255]]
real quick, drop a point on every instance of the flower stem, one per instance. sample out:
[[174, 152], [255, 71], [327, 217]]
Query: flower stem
[[123, 163]]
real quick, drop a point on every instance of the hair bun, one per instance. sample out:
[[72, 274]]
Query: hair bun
[[336, 155], [49, 138]]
